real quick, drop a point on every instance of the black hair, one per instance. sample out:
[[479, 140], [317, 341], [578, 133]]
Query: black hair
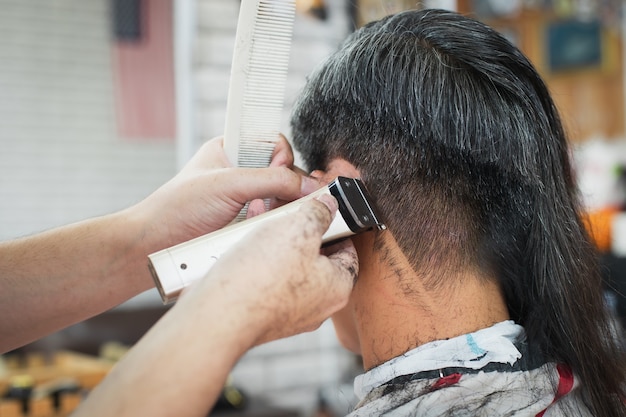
[[460, 144]]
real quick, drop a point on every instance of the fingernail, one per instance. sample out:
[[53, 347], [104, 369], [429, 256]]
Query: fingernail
[[308, 185], [329, 201]]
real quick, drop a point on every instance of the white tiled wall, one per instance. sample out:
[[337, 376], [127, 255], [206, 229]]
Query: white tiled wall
[[60, 157]]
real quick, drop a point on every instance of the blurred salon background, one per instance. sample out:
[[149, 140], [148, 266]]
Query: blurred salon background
[[102, 101]]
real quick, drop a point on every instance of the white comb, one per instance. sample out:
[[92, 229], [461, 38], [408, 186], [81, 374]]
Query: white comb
[[257, 81]]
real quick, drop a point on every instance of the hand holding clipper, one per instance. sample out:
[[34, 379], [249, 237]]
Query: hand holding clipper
[[176, 267]]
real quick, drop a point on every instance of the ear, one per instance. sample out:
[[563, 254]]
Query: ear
[[318, 174], [335, 168]]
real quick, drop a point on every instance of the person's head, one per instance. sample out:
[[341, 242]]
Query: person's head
[[452, 131], [457, 139]]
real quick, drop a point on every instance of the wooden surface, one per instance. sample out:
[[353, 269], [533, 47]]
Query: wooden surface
[[36, 372], [590, 100]]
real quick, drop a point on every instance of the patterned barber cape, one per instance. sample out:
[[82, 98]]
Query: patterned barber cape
[[491, 372]]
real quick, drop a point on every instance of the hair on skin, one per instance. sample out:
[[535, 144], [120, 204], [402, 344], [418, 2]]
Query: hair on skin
[[460, 144]]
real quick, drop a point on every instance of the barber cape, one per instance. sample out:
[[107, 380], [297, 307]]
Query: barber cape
[[492, 372]]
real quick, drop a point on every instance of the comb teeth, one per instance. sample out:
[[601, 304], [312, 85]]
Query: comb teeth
[[257, 84]]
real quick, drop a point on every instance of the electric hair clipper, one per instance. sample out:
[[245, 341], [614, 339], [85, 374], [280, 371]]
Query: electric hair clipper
[[177, 267]]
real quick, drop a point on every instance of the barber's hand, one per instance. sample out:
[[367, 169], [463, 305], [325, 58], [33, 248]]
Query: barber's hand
[[271, 285], [282, 284], [209, 192]]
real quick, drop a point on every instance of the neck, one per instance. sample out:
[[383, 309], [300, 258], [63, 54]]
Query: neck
[[395, 312]]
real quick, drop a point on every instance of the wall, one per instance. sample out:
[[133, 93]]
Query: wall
[[590, 100], [61, 159]]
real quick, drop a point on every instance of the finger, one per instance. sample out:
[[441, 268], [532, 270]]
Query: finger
[[302, 172], [311, 185], [345, 259], [282, 183], [320, 213], [338, 272], [255, 208], [330, 202], [283, 154]]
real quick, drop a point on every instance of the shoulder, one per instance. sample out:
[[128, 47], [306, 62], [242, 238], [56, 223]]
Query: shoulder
[[514, 393]]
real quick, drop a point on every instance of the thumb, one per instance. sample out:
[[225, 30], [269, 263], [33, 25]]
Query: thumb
[[319, 213]]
